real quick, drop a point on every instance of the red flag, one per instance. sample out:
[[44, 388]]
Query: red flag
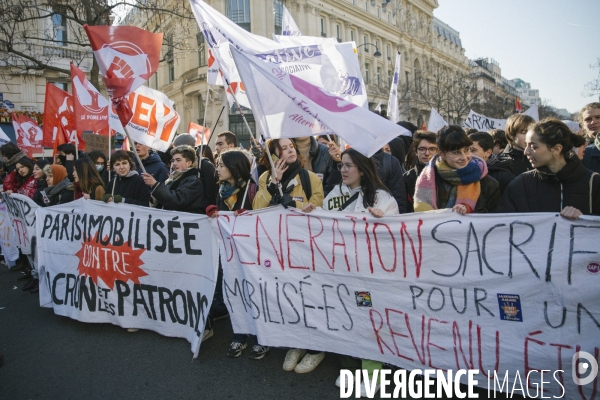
[[127, 56], [59, 111], [91, 108], [125, 144], [518, 106], [61, 138], [29, 134], [423, 126], [200, 132]]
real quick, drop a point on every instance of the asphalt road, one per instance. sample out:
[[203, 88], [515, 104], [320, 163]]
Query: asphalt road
[[47, 356]]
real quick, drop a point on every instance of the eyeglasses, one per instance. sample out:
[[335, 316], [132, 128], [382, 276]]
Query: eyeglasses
[[458, 153], [345, 166], [427, 149]]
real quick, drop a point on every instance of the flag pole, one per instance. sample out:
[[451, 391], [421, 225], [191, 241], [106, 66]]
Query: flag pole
[[132, 143], [248, 183], [203, 126]]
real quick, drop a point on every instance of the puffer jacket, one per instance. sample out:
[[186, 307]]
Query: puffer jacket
[[501, 170], [543, 191], [520, 163], [184, 194], [591, 158]]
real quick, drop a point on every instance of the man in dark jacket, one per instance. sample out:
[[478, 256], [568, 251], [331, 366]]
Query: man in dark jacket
[[424, 144], [516, 128], [499, 169], [151, 162], [590, 116], [316, 159]]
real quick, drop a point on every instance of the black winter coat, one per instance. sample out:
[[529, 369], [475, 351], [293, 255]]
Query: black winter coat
[[591, 158], [410, 182], [501, 170], [154, 166], [543, 191], [520, 163], [132, 188], [185, 194], [209, 180]]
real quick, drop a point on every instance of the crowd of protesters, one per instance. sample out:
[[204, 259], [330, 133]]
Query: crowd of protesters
[[548, 166]]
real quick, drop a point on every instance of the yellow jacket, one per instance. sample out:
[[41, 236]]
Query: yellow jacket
[[263, 197]]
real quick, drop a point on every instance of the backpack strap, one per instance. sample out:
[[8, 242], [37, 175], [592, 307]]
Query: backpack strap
[[305, 180], [349, 201], [591, 186]]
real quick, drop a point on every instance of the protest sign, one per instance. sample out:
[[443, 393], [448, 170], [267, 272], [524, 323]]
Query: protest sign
[[21, 210], [95, 142], [483, 123], [132, 266], [8, 240], [509, 293]]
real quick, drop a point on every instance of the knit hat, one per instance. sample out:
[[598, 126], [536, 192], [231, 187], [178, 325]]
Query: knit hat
[[184, 139]]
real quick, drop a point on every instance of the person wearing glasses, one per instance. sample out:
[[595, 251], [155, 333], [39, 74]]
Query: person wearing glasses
[[183, 191], [425, 148], [456, 179]]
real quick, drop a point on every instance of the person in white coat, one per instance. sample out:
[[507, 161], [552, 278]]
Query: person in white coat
[[361, 190]]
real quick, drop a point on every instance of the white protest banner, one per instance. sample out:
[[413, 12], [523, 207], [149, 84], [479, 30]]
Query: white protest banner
[[132, 266], [533, 112], [8, 240], [290, 41], [155, 121], [509, 293], [285, 105], [288, 25], [436, 121], [483, 123], [3, 137], [328, 65], [392, 107], [21, 210]]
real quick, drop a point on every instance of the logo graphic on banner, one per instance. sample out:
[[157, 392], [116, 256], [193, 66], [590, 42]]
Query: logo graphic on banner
[[91, 108], [59, 118], [29, 134]]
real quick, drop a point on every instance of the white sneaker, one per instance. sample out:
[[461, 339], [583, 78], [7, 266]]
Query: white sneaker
[[208, 333], [291, 359], [363, 390], [131, 330], [309, 362]]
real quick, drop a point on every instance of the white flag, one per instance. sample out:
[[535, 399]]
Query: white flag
[[378, 108], [288, 25], [327, 64], [533, 112], [436, 121], [392, 109], [155, 121], [287, 106]]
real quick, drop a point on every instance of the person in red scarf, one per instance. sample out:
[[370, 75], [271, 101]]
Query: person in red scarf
[[25, 182]]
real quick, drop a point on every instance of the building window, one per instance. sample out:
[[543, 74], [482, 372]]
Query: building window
[[338, 33], [201, 49], [323, 31], [407, 79], [239, 12], [61, 85], [389, 18], [377, 45], [365, 42], [367, 5], [59, 28], [352, 36], [378, 12], [367, 75], [278, 11], [378, 76], [390, 76], [388, 51], [238, 128]]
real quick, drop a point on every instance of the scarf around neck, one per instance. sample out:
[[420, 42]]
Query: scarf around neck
[[229, 193], [175, 175], [597, 141], [464, 182]]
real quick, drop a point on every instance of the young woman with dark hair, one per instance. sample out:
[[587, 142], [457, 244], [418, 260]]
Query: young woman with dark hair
[[396, 148], [127, 185], [87, 182], [233, 172], [25, 182], [361, 190], [290, 172], [183, 191], [40, 179], [456, 179], [99, 159], [559, 181]]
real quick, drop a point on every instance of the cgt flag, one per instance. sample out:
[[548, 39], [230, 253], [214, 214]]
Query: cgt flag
[[59, 118], [154, 121], [127, 57], [29, 134], [91, 108], [288, 106]]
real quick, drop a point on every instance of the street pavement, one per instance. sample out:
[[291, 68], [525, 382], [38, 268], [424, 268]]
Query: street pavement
[[47, 356]]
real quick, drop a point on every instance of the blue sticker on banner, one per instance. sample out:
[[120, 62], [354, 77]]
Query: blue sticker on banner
[[510, 307]]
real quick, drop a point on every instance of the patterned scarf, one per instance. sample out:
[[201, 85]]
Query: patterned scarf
[[464, 184], [228, 193]]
